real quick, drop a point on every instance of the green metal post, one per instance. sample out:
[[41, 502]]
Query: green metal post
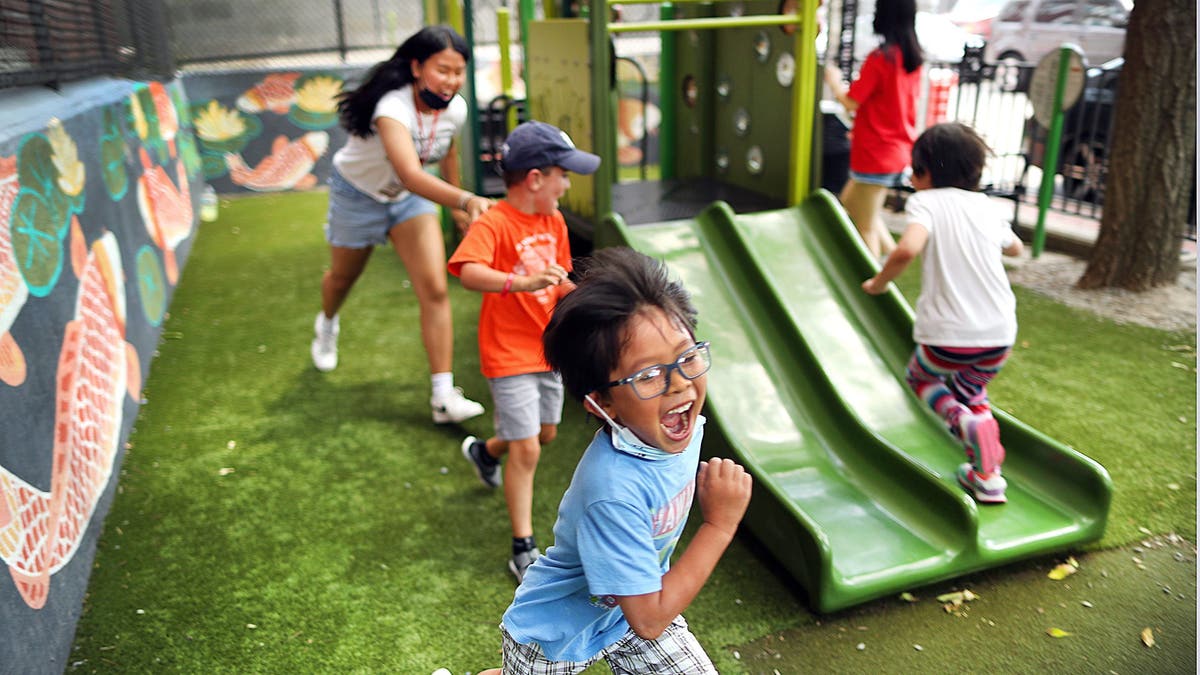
[[602, 103], [432, 15], [454, 16], [803, 104], [525, 14], [667, 93], [1050, 159], [506, 80], [469, 166]]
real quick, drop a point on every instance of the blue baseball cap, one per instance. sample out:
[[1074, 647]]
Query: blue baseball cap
[[535, 145]]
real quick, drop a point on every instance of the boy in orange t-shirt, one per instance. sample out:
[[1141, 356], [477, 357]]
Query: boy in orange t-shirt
[[517, 254]]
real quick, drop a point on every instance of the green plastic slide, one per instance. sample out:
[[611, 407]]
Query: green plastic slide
[[855, 489]]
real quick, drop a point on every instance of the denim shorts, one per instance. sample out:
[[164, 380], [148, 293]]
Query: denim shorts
[[523, 403], [358, 220], [882, 179]]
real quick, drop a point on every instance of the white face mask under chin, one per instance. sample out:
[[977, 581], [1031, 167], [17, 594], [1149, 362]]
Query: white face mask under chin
[[625, 440]]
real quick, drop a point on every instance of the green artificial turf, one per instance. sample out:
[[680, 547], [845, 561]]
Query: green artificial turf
[[271, 518]]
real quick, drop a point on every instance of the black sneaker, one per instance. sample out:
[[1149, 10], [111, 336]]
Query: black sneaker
[[486, 468], [521, 562]]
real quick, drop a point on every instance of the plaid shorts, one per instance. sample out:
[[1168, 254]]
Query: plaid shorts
[[676, 651]]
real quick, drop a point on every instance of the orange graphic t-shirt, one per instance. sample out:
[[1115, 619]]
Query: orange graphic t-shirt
[[511, 325]]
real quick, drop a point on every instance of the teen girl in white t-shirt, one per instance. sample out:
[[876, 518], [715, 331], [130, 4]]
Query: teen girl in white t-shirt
[[402, 118]]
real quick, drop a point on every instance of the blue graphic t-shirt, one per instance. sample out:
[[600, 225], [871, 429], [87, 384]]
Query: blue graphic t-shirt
[[618, 524]]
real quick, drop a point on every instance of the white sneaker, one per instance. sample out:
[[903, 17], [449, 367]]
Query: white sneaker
[[324, 345], [454, 408]]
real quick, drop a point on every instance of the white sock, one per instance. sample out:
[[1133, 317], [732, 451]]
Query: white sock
[[443, 384]]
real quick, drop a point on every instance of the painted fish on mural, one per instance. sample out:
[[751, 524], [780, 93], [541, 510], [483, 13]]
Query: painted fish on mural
[[286, 168], [13, 291], [166, 210], [276, 92], [40, 531], [168, 119]]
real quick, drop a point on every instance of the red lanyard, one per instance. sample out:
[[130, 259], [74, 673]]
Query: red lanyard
[[427, 144]]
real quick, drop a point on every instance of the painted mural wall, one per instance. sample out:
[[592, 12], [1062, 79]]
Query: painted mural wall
[[267, 131], [97, 191]]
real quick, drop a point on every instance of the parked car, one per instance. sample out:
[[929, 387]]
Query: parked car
[[1026, 30], [975, 16], [1086, 135]]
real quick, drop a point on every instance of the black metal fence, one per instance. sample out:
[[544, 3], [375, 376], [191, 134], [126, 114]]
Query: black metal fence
[[53, 42], [993, 98]]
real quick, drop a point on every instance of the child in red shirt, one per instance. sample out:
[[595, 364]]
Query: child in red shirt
[[883, 100], [518, 255]]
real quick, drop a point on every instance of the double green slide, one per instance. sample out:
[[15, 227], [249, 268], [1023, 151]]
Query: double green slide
[[855, 490]]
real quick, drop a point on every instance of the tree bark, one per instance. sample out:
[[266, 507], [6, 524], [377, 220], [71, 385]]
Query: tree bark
[[1151, 168]]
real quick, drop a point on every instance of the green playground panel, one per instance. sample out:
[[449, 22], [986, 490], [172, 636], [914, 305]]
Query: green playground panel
[[855, 489]]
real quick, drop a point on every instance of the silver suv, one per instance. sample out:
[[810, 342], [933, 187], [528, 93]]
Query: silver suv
[[1026, 30]]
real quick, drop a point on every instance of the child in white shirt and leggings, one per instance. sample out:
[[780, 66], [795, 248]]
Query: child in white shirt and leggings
[[966, 321]]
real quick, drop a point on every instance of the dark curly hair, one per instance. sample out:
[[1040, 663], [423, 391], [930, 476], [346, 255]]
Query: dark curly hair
[[586, 334]]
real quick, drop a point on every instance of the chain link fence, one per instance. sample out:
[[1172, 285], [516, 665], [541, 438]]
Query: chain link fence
[[53, 42]]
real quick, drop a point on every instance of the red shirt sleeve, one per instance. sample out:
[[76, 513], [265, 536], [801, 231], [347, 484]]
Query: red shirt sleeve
[[868, 78]]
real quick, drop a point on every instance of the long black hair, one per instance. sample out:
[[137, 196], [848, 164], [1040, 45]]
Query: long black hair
[[586, 334], [896, 21], [356, 107]]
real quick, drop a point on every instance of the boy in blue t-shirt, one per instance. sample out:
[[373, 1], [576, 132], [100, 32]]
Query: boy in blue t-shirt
[[624, 344]]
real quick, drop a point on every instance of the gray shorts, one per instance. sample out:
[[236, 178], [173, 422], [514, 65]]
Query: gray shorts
[[676, 651], [523, 403], [358, 220]]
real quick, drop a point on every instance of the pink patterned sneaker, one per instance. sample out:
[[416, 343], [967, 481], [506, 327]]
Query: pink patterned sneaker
[[981, 434], [988, 490]]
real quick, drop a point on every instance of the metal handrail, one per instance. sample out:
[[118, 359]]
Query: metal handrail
[[708, 23]]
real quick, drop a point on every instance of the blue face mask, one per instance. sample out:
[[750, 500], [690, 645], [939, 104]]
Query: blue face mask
[[627, 442]]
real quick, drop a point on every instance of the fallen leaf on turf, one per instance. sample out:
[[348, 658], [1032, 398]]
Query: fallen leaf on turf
[[1056, 632], [908, 597], [225, 471], [1147, 637], [1087, 604], [958, 597], [1144, 530], [1062, 571], [1172, 486]]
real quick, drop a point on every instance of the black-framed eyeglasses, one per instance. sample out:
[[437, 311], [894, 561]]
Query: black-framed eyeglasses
[[653, 381]]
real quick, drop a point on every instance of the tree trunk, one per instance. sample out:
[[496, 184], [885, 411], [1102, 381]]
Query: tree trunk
[[1151, 167]]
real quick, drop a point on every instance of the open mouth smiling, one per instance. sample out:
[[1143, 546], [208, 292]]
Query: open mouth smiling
[[677, 422]]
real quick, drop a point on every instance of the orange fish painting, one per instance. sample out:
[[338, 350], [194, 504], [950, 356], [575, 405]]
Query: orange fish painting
[[168, 119], [276, 92], [41, 531], [286, 168], [166, 210], [13, 290]]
